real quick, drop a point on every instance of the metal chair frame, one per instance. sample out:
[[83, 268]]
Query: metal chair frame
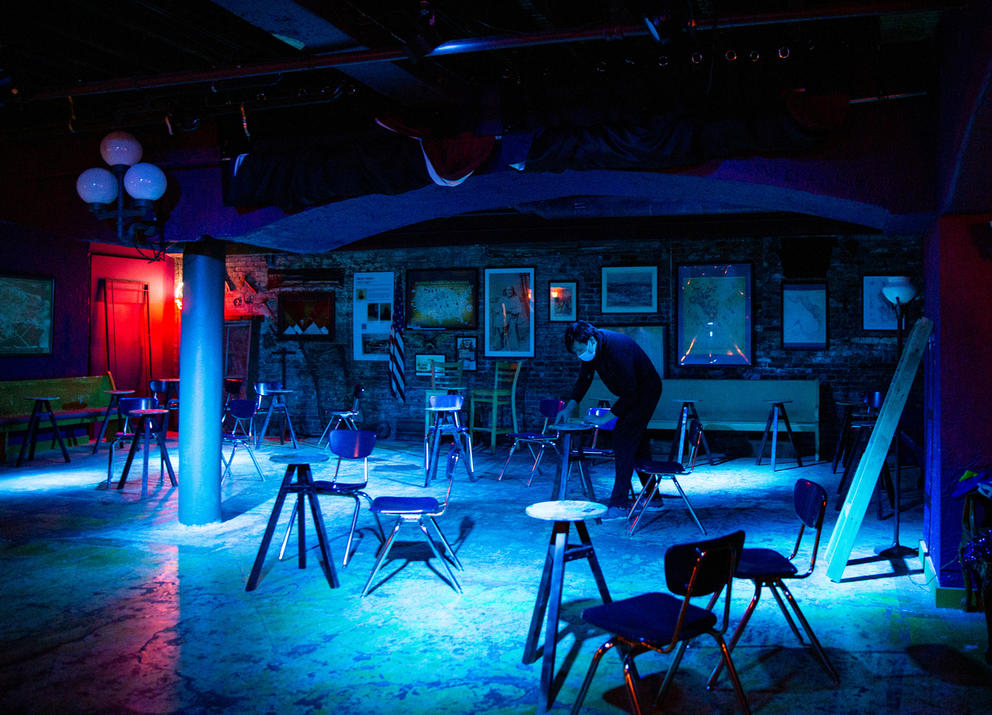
[[549, 410], [337, 418], [445, 407], [242, 411], [671, 471]]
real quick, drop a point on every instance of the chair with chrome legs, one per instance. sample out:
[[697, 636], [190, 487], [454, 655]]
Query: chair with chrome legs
[[344, 418], [671, 471], [444, 410], [351, 445], [662, 622], [241, 412], [542, 440], [767, 567], [422, 510]]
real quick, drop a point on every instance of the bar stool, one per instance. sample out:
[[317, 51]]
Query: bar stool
[[41, 404], [297, 465], [687, 413], [563, 514], [777, 409], [115, 396], [152, 421], [277, 403], [443, 413]]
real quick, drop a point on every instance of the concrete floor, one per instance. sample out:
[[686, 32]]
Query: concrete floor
[[110, 605]]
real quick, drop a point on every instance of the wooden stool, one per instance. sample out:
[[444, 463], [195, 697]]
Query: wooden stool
[[297, 464], [41, 404], [115, 398], [777, 408], [563, 514]]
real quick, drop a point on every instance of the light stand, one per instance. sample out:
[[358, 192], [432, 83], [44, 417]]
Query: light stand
[[898, 291]]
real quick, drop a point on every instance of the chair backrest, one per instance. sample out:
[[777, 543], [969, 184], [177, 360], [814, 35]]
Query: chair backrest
[[356, 397], [232, 385], [598, 411], [505, 377], [810, 501], [351, 444], [242, 409], [704, 568], [446, 374], [549, 410], [446, 402], [127, 405], [263, 388]]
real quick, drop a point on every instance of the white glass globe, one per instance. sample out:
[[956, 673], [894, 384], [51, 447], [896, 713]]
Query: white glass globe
[[145, 181], [120, 148], [97, 186], [898, 288]]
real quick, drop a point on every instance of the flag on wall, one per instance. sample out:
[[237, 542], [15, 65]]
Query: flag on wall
[[397, 361]]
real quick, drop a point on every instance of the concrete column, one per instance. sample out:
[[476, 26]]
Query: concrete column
[[201, 356]]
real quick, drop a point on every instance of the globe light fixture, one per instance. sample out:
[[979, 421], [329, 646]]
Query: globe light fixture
[[126, 192]]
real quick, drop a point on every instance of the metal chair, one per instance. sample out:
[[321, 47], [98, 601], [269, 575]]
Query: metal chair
[[125, 406], [351, 445], [662, 622], [421, 510], [337, 418], [445, 409], [767, 567], [543, 439], [242, 412], [671, 471], [275, 393]]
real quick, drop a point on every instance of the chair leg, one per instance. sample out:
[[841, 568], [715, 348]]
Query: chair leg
[[650, 492], [289, 530], [383, 551], [454, 556], [670, 675], [512, 448], [596, 657], [737, 633], [813, 641], [251, 453], [630, 678], [732, 671], [227, 462], [444, 561], [351, 532], [692, 512]]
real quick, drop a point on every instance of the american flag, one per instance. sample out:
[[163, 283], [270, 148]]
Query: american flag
[[397, 363]]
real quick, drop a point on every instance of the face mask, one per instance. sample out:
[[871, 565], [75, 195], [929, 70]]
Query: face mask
[[589, 353]]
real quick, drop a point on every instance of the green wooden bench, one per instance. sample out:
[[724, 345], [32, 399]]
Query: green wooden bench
[[730, 405], [82, 402]]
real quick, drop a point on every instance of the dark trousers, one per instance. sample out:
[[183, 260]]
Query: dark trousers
[[630, 443]]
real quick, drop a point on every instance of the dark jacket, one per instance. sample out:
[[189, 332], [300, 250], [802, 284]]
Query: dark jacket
[[625, 369]]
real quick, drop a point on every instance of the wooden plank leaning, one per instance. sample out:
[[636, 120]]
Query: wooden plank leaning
[[870, 466]]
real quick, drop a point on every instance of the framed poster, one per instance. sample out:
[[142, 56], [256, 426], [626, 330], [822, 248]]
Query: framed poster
[[27, 311], [630, 289], [422, 363], [877, 313], [561, 301], [441, 298], [804, 315], [509, 311], [372, 315], [306, 316], [465, 350], [651, 338], [714, 314]]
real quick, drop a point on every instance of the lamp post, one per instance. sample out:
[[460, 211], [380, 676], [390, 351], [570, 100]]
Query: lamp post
[[105, 190], [899, 291]]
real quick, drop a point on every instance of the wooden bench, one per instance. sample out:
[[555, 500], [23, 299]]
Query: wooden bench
[[731, 405], [82, 402]]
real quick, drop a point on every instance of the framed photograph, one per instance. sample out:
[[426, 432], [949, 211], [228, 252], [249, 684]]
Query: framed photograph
[[27, 311], [306, 316], [561, 301], [465, 349], [423, 361], [441, 298], [877, 312], [804, 315], [630, 289], [509, 310], [714, 314]]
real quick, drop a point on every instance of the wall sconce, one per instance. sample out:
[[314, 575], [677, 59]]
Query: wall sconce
[[104, 189]]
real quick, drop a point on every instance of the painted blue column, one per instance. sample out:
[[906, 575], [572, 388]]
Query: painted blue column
[[201, 382]]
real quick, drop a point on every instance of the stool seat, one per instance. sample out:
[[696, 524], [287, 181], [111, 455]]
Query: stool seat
[[299, 456], [566, 510]]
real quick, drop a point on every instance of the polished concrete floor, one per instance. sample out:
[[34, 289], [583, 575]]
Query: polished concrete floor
[[110, 605]]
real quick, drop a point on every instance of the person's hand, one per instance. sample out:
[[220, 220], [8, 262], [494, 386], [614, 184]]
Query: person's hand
[[565, 412], [600, 419]]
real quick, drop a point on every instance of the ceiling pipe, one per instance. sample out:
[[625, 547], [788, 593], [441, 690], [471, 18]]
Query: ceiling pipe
[[488, 44]]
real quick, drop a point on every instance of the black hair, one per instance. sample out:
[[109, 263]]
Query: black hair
[[579, 331]]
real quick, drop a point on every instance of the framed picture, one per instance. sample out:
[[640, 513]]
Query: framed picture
[[509, 310], [561, 301], [465, 349], [877, 312], [714, 314], [441, 298], [630, 289], [306, 316], [27, 311], [804, 315], [651, 338], [422, 363]]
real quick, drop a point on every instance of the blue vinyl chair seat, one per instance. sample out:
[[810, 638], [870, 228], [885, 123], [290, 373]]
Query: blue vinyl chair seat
[[649, 618], [764, 563], [404, 505]]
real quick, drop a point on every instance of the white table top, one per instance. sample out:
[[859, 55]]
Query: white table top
[[566, 510]]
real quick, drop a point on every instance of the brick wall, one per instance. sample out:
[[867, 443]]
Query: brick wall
[[323, 373]]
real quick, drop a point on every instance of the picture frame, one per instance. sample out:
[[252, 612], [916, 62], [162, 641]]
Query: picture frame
[[804, 315], [651, 338], [713, 314], [27, 314], [439, 299], [306, 316], [509, 311], [629, 289], [422, 363], [562, 297], [877, 313], [465, 350]]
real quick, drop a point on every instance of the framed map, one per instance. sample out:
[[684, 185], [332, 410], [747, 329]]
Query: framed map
[[714, 314], [804, 315], [441, 298], [27, 308], [877, 312]]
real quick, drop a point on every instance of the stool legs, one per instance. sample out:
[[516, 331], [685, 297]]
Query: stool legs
[[32, 434], [771, 426]]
